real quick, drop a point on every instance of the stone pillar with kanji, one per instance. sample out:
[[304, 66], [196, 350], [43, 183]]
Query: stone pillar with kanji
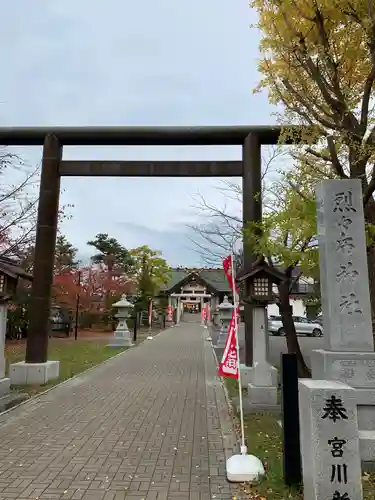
[[348, 353]]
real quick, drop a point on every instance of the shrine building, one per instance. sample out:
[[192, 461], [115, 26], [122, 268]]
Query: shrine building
[[190, 289]]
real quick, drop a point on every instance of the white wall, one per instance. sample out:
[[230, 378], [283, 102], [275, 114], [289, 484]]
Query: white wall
[[298, 308], [192, 288]]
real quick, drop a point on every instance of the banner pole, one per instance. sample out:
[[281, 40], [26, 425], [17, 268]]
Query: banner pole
[[150, 307], [236, 308], [240, 467]]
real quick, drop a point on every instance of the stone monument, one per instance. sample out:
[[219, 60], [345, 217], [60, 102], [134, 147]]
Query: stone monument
[[331, 465], [122, 335], [348, 355]]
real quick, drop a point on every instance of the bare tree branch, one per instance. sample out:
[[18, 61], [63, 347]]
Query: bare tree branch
[[221, 228], [18, 204]]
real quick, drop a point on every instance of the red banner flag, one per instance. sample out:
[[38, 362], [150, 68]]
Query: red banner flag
[[229, 363], [227, 264], [208, 312], [204, 314], [170, 313]]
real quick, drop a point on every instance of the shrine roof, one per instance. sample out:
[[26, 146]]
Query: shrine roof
[[215, 279], [12, 269]]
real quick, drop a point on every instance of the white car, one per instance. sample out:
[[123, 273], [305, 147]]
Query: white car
[[303, 326]]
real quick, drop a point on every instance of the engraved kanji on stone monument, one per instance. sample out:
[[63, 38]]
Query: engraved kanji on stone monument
[[347, 272], [348, 354], [343, 201], [349, 304], [343, 262], [329, 441], [334, 409]]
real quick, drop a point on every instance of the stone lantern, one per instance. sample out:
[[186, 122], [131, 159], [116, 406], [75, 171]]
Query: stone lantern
[[258, 281], [216, 318], [225, 314], [122, 335]]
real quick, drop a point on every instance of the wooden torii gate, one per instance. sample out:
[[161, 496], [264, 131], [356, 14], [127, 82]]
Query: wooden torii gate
[[251, 138]]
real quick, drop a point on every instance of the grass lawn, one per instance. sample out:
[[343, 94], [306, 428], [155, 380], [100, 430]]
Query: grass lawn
[[75, 356], [264, 439]]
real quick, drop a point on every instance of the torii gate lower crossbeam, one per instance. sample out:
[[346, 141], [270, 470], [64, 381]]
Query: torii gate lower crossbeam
[[53, 167]]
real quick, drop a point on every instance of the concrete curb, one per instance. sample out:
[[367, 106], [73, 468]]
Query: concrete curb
[[229, 442], [80, 374], [229, 434]]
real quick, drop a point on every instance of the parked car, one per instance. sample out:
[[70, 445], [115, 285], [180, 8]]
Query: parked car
[[302, 325], [319, 320]]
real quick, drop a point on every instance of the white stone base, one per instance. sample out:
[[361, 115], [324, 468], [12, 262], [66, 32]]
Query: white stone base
[[122, 339], [365, 399], [247, 377], [121, 343], [23, 373], [244, 468], [221, 339], [353, 368], [4, 386], [367, 445], [264, 396]]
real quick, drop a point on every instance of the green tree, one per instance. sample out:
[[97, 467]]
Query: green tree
[[287, 238], [151, 272], [287, 235], [116, 259], [318, 62], [111, 253], [65, 255]]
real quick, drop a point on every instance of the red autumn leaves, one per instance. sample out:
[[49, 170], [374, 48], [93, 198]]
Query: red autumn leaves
[[97, 287]]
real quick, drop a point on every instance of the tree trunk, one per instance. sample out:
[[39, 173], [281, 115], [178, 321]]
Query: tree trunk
[[371, 276], [291, 335], [370, 219], [107, 298]]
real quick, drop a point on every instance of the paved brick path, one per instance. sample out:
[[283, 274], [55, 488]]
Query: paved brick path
[[148, 424]]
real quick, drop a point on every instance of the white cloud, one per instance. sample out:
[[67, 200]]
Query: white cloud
[[130, 63]]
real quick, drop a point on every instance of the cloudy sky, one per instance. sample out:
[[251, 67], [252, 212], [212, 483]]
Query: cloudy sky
[[142, 62]]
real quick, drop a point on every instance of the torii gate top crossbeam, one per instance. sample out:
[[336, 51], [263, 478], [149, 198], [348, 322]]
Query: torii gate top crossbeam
[[53, 139], [143, 136]]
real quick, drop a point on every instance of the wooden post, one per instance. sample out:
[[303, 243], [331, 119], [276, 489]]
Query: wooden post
[[135, 326], [290, 420], [252, 212], [40, 303]]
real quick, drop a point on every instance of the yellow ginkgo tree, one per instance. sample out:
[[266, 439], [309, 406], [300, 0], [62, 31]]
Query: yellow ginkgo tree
[[286, 237], [318, 65]]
